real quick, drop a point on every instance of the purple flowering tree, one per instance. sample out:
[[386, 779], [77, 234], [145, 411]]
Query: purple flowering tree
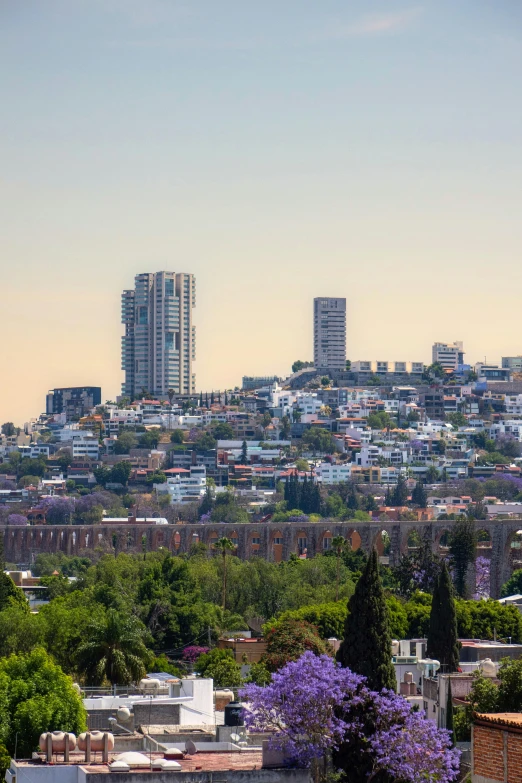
[[17, 519], [313, 707], [191, 653], [59, 510]]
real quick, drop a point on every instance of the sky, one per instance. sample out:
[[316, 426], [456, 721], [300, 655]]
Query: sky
[[278, 151]]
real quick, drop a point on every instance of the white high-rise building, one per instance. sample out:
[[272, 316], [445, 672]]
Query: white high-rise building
[[330, 332], [159, 345], [448, 355]]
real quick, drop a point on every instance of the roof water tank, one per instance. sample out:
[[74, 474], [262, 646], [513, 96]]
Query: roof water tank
[[58, 741], [96, 740], [150, 684], [123, 714], [488, 668], [234, 714]]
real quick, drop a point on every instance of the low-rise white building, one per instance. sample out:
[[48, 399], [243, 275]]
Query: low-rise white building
[[184, 486], [333, 473]]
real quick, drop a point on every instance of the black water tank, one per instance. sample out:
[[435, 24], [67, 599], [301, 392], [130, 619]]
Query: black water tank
[[234, 714]]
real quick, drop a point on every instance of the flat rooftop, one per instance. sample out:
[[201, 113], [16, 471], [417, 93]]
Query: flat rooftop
[[217, 761]]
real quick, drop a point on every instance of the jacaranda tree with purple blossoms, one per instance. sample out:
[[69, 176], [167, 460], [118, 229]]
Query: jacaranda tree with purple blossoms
[[315, 708]]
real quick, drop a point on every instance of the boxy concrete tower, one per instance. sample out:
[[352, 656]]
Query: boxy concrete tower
[[159, 344], [330, 333]]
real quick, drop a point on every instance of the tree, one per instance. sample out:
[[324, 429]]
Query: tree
[[299, 365], [224, 546], [320, 440], [443, 644], [176, 436], [125, 441], [457, 420], [314, 707], [114, 650], [8, 429], [10, 594], [286, 426], [221, 667], [419, 496], [338, 545], [462, 551], [120, 473], [244, 453], [2, 553], [5, 761], [150, 439], [36, 697], [513, 586], [400, 492], [288, 639], [366, 647], [205, 442], [380, 421], [223, 431], [432, 475]]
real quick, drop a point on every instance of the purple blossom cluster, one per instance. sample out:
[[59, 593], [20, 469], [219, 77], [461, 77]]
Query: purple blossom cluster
[[205, 518], [314, 706], [17, 519], [302, 518], [192, 653]]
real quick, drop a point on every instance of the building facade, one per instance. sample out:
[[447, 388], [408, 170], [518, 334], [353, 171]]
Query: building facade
[[330, 333], [74, 401], [512, 363], [159, 344], [448, 355]]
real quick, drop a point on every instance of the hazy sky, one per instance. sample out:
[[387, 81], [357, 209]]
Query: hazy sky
[[279, 150]]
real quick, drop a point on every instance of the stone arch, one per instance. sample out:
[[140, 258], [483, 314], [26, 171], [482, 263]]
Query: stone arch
[[354, 539], [515, 549], [254, 543], [301, 543], [382, 543], [413, 540], [233, 536], [211, 540], [276, 545], [325, 541], [484, 540], [176, 541], [443, 540]]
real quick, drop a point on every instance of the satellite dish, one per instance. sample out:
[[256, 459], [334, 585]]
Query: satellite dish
[[190, 748]]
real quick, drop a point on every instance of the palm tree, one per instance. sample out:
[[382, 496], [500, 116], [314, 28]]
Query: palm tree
[[224, 545], [339, 545], [114, 650]]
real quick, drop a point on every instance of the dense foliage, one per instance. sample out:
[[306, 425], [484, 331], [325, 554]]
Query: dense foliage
[[314, 706], [36, 696], [366, 646]]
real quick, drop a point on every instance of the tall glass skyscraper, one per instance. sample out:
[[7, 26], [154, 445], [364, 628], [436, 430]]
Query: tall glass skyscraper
[[159, 344]]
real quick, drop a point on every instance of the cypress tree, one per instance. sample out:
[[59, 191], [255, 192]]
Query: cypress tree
[[304, 498], [366, 647], [226, 397], [316, 499], [201, 399], [419, 496], [244, 453], [449, 713], [400, 493], [443, 643], [2, 553]]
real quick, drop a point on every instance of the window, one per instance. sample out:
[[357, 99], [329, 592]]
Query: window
[[169, 287], [143, 316], [169, 340]]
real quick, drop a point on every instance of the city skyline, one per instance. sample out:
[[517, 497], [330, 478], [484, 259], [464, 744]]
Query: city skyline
[[277, 153]]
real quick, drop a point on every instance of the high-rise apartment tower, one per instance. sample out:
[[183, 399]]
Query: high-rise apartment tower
[[159, 344], [330, 333], [448, 355]]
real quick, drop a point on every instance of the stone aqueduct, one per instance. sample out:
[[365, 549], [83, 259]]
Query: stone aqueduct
[[500, 543]]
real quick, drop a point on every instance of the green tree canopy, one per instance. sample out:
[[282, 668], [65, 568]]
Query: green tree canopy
[[443, 644], [366, 647], [10, 594], [288, 639], [221, 666], [36, 696], [114, 650]]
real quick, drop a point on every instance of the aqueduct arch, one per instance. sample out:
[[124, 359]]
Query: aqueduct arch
[[499, 540]]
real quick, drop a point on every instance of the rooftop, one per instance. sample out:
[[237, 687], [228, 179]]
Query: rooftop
[[218, 761], [502, 718]]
